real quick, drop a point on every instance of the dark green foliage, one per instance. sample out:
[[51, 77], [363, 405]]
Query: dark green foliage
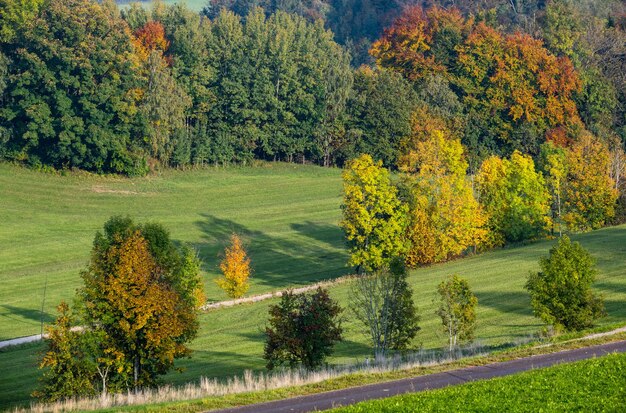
[[69, 100], [303, 329], [383, 302], [380, 114], [457, 310], [561, 292]]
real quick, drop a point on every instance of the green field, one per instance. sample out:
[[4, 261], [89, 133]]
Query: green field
[[586, 386], [287, 215]]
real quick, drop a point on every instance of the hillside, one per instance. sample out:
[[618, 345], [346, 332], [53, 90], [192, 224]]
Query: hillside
[[231, 340], [287, 215]]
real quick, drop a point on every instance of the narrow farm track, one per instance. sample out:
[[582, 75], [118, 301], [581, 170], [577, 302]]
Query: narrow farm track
[[339, 398]]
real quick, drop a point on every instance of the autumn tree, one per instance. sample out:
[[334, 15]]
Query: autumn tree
[[66, 372], [303, 329], [457, 309], [236, 269], [383, 303], [561, 292], [515, 198], [513, 90], [590, 194], [141, 292], [373, 216], [444, 217]]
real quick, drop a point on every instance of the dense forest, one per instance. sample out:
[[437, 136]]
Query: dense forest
[[89, 85]]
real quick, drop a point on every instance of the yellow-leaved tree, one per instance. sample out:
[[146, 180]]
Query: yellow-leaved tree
[[516, 198], [590, 193], [445, 218], [373, 216], [236, 269]]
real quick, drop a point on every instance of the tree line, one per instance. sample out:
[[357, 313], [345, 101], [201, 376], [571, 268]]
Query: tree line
[[139, 88]]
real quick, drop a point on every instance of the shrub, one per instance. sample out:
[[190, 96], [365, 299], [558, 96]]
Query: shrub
[[303, 330], [561, 292]]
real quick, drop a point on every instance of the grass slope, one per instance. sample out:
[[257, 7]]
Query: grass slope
[[231, 340], [584, 386], [287, 215]]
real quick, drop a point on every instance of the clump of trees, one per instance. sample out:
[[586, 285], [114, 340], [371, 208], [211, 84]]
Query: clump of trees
[[236, 269], [303, 329], [137, 310], [561, 292]]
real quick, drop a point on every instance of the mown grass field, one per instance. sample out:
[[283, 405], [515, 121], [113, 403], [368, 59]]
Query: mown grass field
[[231, 340], [585, 386], [287, 215]]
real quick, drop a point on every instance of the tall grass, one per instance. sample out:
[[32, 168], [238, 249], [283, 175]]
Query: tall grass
[[258, 382]]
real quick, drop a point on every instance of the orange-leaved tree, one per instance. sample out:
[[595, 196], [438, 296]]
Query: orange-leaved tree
[[236, 269]]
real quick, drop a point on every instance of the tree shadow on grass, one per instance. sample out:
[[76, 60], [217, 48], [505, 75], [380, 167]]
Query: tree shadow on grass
[[328, 234], [19, 314], [276, 261], [514, 303]]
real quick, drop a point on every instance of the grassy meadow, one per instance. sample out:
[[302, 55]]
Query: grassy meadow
[[286, 214], [584, 386]]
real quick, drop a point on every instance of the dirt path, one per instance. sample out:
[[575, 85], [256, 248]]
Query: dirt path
[[207, 307], [338, 398]]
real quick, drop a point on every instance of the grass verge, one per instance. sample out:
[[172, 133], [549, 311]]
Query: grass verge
[[236, 396], [588, 385]]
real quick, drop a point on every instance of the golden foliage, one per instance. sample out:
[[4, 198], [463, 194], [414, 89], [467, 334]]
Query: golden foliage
[[445, 218], [590, 193], [236, 269]]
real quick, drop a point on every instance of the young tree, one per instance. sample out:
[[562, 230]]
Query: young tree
[[457, 309], [383, 302], [373, 216], [553, 164], [141, 292], [590, 193], [515, 197], [236, 269], [67, 374], [303, 329], [561, 292]]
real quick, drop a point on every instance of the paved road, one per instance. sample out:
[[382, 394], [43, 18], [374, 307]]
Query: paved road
[[353, 395]]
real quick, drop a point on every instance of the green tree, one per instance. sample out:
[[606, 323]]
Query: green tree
[[72, 96], [515, 198], [303, 329], [561, 292], [457, 309], [383, 303], [380, 112], [553, 164], [373, 216], [141, 292]]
